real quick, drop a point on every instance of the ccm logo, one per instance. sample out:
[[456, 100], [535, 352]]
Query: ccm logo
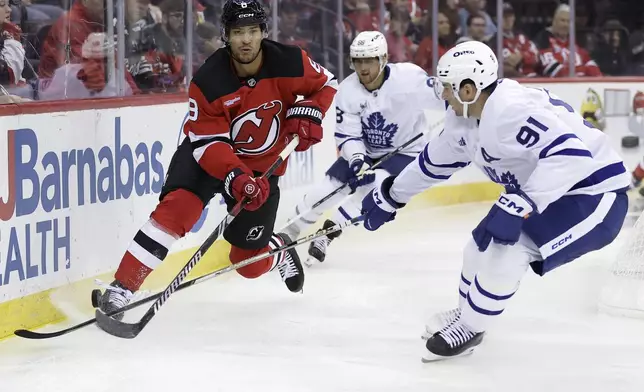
[[510, 204], [462, 52], [561, 242]]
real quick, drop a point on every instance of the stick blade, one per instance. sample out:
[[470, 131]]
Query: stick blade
[[115, 327], [27, 334]]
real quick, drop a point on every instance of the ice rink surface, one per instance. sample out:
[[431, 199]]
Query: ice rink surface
[[356, 328]]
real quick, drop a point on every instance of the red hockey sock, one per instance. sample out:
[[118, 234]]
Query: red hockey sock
[[173, 217]]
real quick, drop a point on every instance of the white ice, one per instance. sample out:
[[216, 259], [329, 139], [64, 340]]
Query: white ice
[[356, 328]]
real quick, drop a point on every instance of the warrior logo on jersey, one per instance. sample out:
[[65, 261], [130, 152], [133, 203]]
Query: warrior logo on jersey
[[379, 134], [256, 131]]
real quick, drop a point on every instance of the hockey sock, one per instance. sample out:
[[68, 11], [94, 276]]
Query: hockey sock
[[499, 274], [173, 217]]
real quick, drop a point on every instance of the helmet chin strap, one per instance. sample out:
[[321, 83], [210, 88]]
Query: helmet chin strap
[[466, 105]]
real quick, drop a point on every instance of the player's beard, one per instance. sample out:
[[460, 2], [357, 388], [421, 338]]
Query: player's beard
[[240, 61]]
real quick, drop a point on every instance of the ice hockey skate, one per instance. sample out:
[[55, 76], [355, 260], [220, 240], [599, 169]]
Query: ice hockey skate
[[290, 267], [439, 321], [455, 340], [114, 297], [318, 247]]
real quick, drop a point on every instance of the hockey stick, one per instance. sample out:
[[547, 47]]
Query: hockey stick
[[375, 166], [27, 334], [129, 331]]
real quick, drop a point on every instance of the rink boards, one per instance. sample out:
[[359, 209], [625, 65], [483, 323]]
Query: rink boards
[[76, 185]]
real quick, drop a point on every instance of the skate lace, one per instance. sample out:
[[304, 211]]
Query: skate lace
[[124, 296], [287, 267], [456, 334], [450, 316], [321, 244]]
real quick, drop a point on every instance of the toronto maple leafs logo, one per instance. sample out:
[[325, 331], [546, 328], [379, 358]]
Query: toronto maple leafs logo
[[506, 179], [379, 134], [509, 180]]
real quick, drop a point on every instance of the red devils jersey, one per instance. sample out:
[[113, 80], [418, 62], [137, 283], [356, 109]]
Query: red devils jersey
[[554, 55], [519, 43], [235, 123]]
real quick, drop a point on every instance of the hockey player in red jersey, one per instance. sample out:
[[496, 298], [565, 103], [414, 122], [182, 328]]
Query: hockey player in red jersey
[[553, 45], [242, 113]]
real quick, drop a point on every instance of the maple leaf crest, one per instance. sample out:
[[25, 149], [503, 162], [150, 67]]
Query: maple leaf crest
[[510, 180], [379, 134]]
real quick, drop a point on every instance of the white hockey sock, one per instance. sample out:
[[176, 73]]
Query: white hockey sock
[[497, 279], [325, 187], [470, 263]]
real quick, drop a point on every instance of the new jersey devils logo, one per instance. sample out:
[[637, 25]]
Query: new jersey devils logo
[[256, 131]]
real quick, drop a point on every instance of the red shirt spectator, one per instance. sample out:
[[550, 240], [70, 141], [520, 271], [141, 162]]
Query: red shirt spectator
[[554, 53], [423, 57], [400, 47], [520, 55], [66, 37]]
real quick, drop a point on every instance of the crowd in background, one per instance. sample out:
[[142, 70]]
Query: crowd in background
[[64, 49]]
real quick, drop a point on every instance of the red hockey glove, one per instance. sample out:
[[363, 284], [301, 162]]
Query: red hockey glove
[[240, 185], [306, 121]]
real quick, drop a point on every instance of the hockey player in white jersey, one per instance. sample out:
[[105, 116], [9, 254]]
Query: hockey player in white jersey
[[378, 108], [564, 188]]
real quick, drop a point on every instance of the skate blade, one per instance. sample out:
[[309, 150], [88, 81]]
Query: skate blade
[[431, 357], [310, 262], [428, 333]]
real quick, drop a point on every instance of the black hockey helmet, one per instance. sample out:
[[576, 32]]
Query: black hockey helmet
[[238, 13]]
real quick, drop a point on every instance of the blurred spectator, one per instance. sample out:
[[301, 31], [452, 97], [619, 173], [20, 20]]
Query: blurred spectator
[[476, 7], [289, 31], [12, 54], [554, 51], [450, 9], [140, 18], [520, 55], [166, 54], [38, 12], [207, 42], [360, 14], [64, 45], [475, 29], [612, 51], [636, 44], [67, 35], [423, 57], [401, 48], [87, 78]]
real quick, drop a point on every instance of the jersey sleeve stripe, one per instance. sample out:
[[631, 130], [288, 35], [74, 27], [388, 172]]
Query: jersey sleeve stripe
[[202, 142], [348, 140], [454, 165], [421, 163], [574, 152], [342, 135], [555, 143]]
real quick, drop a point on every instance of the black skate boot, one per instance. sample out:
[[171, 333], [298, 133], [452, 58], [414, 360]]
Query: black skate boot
[[439, 321], [317, 248], [115, 297], [453, 341], [290, 267]]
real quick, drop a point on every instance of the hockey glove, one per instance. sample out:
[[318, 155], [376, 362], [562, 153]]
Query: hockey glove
[[504, 221], [361, 173], [305, 121], [378, 207], [240, 185]]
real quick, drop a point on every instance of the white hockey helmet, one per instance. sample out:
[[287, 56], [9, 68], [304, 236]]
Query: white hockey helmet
[[369, 44], [471, 60]]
